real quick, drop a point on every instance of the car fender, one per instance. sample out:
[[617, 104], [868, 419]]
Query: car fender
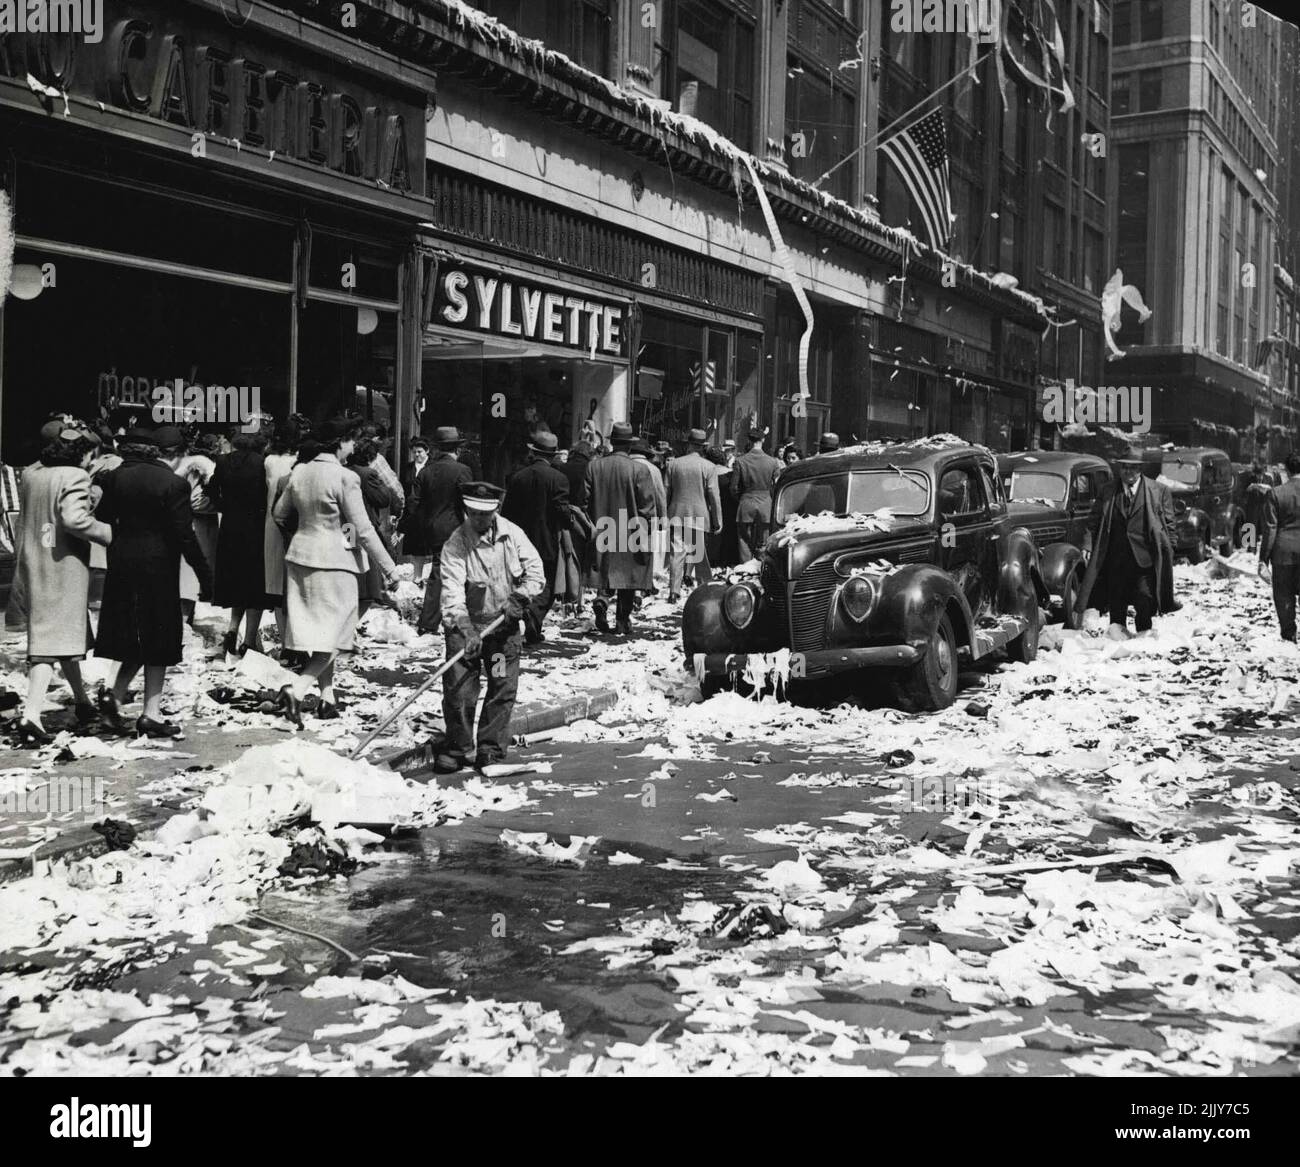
[[705, 628], [1197, 522], [1020, 574], [912, 599], [1058, 563]]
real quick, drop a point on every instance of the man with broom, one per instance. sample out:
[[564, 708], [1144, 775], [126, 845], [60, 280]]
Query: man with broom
[[490, 572]]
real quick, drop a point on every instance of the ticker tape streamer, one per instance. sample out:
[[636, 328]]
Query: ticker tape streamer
[[792, 276]]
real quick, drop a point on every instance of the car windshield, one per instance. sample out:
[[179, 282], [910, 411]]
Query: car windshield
[[1037, 484], [905, 492], [1188, 473]]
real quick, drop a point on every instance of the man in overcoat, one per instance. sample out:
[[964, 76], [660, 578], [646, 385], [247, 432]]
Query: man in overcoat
[[694, 512], [626, 509], [436, 502], [751, 483], [1279, 547], [537, 502], [1134, 556]]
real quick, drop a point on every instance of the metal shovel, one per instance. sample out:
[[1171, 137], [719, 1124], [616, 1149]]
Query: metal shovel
[[424, 688]]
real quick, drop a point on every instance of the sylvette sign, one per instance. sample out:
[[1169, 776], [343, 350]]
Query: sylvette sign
[[506, 305]]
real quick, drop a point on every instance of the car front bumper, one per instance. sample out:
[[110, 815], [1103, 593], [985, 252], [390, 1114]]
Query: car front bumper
[[811, 665]]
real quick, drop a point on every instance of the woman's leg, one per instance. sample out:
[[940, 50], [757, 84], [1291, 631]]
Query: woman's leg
[[236, 615], [317, 672], [126, 672], [154, 675], [252, 627], [72, 670], [38, 684]]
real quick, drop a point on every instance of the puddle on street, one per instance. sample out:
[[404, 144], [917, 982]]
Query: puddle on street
[[474, 917]]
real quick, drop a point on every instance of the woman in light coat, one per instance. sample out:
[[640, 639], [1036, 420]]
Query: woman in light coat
[[58, 527], [322, 513], [289, 434]]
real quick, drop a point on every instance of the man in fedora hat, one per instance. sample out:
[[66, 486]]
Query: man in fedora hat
[[626, 508], [537, 502], [488, 568], [643, 451], [828, 443], [435, 500], [751, 485], [1279, 546], [1134, 556], [694, 511]]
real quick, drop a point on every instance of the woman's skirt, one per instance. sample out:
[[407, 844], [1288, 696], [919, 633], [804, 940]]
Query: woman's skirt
[[321, 607], [140, 619]]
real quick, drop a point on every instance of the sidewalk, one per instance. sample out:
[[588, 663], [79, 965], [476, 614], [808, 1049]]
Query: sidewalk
[[51, 799]]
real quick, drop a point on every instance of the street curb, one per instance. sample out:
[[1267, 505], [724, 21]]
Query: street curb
[[83, 843]]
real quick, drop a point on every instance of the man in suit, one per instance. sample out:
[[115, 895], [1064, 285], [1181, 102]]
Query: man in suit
[[1133, 563], [694, 511], [537, 502], [751, 484], [1279, 547], [624, 503], [436, 502]]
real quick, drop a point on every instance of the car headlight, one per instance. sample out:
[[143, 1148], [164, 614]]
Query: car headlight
[[738, 606], [858, 596]]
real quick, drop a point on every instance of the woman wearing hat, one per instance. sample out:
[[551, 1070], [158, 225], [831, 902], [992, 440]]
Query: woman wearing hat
[[323, 514], [58, 527], [140, 619]]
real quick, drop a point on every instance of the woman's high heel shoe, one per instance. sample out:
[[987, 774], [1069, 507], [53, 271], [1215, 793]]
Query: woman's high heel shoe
[[30, 734], [110, 712], [148, 727], [86, 713], [291, 706]]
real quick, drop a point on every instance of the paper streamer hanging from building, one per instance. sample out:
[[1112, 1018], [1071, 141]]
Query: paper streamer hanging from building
[[1114, 296], [6, 245], [792, 276], [1046, 29]]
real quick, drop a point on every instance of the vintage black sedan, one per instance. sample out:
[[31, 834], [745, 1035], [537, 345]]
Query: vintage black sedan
[[1201, 480], [901, 557], [1056, 494]]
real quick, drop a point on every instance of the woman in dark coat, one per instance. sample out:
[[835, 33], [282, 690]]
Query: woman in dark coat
[[238, 490], [148, 508]]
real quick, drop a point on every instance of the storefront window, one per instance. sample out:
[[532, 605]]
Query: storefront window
[[497, 392], [969, 411], [108, 334], [675, 384]]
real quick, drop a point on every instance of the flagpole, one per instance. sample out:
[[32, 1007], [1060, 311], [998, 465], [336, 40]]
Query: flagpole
[[902, 117]]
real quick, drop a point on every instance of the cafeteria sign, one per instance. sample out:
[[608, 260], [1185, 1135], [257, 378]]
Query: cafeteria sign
[[504, 305]]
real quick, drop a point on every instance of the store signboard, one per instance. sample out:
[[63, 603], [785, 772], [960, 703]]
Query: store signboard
[[502, 304], [227, 79]]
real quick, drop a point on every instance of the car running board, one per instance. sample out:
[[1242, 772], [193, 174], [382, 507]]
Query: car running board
[[994, 633]]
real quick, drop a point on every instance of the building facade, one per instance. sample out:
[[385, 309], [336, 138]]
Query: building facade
[[1200, 149], [422, 213]]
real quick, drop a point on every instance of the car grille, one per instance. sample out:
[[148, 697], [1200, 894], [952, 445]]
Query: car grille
[[1047, 534], [803, 616]]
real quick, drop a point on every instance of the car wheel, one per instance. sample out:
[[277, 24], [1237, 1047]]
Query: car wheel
[[1069, 601], [1200, 551], [931, 683], [1025, 646]]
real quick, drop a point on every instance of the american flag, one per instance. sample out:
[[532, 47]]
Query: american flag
[[921, 154]]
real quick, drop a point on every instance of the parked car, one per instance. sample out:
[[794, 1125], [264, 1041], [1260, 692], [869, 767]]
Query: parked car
[[1201, 480], [1056, 495], [901, 557]]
